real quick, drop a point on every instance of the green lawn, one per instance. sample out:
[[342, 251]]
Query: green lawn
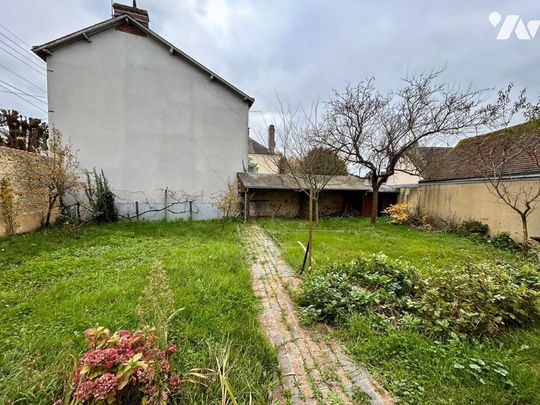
[[342, 239], [420, 369], [54, 285]]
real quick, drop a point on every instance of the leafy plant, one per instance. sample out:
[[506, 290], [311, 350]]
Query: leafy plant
[[399, 213], [472, 300], [503, 240], [477, 299], [330, 297], [472, 227], [100, 197], [125, 367]]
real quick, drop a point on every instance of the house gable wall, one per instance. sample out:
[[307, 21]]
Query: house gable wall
[[149, 119]]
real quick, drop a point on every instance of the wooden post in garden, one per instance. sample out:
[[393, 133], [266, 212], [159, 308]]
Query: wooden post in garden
[[310, 227], [137, 210], [165, 202], [190, 210], [78, 210]]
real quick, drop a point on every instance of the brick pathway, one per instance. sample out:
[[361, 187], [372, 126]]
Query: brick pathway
[[313, 370]]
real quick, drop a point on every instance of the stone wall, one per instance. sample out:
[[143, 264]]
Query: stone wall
[[29, 207]]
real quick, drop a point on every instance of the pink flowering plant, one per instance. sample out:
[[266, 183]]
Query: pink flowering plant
[[127, 368]]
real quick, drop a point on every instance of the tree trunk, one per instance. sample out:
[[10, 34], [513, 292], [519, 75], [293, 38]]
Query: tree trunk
[[525, 231], [317, 211], [310, 228], [375, 203], [50, 208]]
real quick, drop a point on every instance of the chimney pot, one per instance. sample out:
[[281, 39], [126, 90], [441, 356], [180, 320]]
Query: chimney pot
[[271, 138], [137, 14]]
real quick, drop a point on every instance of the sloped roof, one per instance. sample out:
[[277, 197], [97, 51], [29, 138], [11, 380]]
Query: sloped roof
[[478, 156], [256, 148], [427, 160], [271, 181], [86, 33]]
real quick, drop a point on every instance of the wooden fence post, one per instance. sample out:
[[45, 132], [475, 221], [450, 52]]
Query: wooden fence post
[[137, 210]]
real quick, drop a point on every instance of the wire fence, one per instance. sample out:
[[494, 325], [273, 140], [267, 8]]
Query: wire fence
[[149, 211]]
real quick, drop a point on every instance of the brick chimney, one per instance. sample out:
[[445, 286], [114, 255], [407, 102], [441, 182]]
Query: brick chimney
[[136, 13], [271, 138]]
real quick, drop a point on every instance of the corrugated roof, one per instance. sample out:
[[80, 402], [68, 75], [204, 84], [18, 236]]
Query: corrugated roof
[[86, 33], [270, 181]]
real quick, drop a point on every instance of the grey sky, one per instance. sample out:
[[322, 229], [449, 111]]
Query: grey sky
[[301, 50]]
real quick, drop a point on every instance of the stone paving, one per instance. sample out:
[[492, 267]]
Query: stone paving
[[314, 370]]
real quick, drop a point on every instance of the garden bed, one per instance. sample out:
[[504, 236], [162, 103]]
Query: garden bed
[[414, 358]]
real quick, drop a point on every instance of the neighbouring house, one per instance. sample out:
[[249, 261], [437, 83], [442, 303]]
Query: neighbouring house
[[417, 161], [162, 126], [263, 159], [277, 195], [453, 182]]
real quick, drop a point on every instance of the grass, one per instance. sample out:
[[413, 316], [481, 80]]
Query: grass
[[421, 369], [55, 284], [343, 239]]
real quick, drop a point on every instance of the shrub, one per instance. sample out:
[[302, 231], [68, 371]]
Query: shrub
[[381, 273], [472, 227], [502, 240], [126, 368], [330, 297], [477, 299], [474, 300], [100, 197], [399, 213]]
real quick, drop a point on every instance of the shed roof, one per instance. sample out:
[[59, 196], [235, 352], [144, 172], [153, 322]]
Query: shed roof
[[270, 181], [86, 33]]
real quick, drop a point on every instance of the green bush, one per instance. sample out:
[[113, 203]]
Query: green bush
[[472, 227], [477, 299], [502, 240], [473, 300], [100, 197], [330, 297]]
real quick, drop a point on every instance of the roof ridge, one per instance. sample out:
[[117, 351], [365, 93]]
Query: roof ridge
[[85, 33]]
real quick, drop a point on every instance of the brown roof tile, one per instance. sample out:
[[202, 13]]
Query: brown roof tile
[[510, 151]]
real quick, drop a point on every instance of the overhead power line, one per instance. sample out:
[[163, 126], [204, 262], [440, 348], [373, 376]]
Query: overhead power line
[[13, 92], [22, 60], [22, 98], [22, 91], [15, 35], [23, 78], [32, 54], [32, 61]]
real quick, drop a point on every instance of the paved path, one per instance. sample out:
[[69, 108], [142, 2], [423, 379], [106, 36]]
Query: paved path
[[313, 370]]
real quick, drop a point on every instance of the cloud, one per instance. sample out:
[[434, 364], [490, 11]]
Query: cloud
[[303, 49]]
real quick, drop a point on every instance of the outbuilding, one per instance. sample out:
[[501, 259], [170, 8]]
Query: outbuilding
[[267, 195]]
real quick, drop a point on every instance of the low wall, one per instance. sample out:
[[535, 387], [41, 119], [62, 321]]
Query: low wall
[[28, 207], [462, 201]]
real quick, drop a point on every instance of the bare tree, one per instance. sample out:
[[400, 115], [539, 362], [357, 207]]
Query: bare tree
[[502, 158], [374, 132], [306, 167], [51, 175]]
